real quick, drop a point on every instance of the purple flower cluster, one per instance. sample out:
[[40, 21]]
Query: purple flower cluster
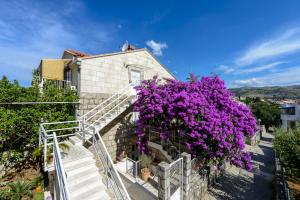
[[202, 113]]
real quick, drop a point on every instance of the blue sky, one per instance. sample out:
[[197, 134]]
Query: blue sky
[[246, 42]]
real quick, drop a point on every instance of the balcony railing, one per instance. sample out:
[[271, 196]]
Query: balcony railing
[[60, 84]]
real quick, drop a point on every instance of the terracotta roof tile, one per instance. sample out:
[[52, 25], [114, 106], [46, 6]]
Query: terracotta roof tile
[[77, 53]]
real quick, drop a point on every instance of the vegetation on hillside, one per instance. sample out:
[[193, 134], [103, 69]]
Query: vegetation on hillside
[[275, 93]]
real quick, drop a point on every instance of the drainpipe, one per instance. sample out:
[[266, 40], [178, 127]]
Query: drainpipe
[[78, 65]]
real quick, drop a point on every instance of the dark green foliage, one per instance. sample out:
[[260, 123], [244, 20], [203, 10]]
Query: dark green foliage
[[19, 124], [287, 146], [16, 190], [267, 112]]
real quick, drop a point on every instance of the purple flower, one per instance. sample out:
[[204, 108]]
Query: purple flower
[[202, 112]]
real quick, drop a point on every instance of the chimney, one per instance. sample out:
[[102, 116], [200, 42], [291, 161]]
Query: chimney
[[127, 47]]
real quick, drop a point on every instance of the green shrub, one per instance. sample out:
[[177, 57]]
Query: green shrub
[[145, 161], [19, 124], [38, 196], [16, 190], [287, 146]]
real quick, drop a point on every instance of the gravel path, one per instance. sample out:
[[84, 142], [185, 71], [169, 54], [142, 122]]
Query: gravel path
[[256, 185]]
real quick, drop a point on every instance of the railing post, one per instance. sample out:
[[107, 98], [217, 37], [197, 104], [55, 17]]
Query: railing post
[[40, 137], [118, 102], [45, 153], [163, 173], [136, 169], [126, 165], [186, 174], [83, 130]]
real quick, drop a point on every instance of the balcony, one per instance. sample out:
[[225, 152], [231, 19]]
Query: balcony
[[289, 117]]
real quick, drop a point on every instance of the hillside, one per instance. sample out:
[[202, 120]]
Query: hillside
[[276, 92]]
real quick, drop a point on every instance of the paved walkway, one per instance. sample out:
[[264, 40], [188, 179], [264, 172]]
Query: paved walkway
[[256, 185]]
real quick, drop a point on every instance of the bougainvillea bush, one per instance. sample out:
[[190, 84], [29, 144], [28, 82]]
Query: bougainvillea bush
[[201, 113]]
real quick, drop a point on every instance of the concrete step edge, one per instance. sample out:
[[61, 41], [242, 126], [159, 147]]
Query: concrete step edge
[[87, 189]]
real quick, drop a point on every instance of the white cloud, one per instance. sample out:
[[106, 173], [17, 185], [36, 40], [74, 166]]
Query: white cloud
[[258, 69], [32, 30], [246, 82], [156, 47], [226, 69], [287, 77], [288, 42]]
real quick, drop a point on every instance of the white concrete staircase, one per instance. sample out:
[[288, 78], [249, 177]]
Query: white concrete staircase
[[167, 149], [105, 112], [107, 115], [83, 177], [160, 148]]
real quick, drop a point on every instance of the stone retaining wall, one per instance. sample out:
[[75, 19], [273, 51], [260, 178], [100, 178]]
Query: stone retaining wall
[[117, 135], [88, 101]]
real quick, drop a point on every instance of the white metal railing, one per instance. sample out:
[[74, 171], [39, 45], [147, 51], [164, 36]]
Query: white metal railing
[[133, 167], [112, 175], [176, 176], [113, 178], [102, 106], [46, 136], [116, 107], [62, 189], [113, 103], [60, 84]]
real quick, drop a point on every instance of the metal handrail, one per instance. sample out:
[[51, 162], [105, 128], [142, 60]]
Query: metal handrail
[[63, 122], [111, 110], [107, 100], [60, 172], [44, 137], [104, 107], [108, 163]]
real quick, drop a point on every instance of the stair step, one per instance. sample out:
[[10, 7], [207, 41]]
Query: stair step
[[79, 164], [73, 187], [98, 127], [93, 194], [81, 172], [81, 178], [85, 180], [75, 140], [85, 190], [97, 123]]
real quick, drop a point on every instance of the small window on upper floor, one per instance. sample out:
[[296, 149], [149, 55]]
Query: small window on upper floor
[[135, 77]]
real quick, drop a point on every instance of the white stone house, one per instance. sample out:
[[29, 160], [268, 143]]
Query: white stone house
[[290, 115], [98, 77]]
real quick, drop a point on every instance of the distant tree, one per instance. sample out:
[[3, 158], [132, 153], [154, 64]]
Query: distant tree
[[267, 112]]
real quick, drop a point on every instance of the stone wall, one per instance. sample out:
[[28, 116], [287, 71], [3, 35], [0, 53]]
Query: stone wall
[[88, 101], [118, 134]]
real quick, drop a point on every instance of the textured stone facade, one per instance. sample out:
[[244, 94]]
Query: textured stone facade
[[102, 76], [88, 101], [107, 74], [118, 135]]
